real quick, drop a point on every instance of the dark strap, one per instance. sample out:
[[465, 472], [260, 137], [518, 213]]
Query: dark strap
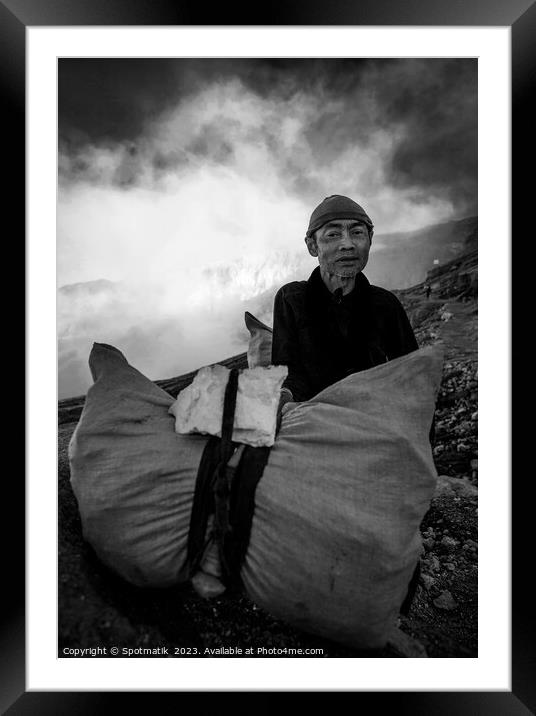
[[216, 453], [228, 493], [203, 503], [222, 488], [242, 506]]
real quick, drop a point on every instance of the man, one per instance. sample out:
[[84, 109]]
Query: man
[[336, 323]]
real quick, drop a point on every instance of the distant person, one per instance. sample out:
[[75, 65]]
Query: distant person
[[336, 323], [428, 290]]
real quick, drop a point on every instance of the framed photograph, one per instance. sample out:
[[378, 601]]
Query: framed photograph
[[169, 164]]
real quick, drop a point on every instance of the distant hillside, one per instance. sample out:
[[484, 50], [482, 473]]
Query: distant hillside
[[402, 260], [87, 287], [450, 313]]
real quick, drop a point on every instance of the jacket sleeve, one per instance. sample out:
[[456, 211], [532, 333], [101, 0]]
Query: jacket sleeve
[[285, 348], [403, 337], [408, 343]]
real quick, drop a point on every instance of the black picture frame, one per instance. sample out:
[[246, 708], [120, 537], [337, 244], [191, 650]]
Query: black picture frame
[[520, 15]]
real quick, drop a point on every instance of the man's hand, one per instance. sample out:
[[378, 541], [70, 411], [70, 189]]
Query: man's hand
[[286, 397]]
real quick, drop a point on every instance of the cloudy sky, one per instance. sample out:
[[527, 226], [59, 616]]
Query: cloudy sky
[[185, 187]]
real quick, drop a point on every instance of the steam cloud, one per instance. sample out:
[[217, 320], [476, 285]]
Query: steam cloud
[[188, 184]]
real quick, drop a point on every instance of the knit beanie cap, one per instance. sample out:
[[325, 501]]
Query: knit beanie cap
[[337, 207]]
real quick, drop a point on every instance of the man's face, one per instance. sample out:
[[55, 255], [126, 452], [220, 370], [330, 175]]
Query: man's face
[[342, 247]]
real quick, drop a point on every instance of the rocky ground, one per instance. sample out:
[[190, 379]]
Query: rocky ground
[[98, 609]]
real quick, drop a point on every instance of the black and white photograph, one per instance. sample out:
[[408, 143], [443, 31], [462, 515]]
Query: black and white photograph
[[267, 331], [268, 323]]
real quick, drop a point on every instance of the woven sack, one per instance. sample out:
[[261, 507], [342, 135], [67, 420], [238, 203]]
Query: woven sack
[[335, 533]]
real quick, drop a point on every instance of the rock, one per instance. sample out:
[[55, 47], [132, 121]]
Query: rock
[[450, 566], [427, 581], [428, 543], [462, 487], [207, 586], [404, 645], [449, 543], [199, 407], [446, 601], [433, 563]]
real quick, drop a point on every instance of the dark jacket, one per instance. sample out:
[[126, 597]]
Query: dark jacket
[[322, 338]]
